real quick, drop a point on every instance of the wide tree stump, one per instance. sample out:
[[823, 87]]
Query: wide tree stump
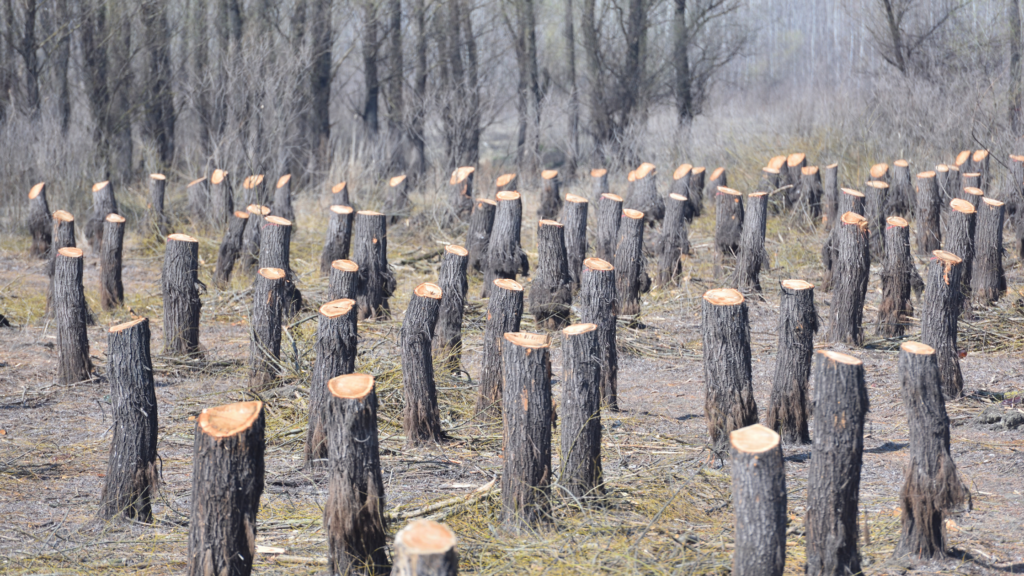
[[338, 239], [574, 218], [875, 198], [275, 252], [222, 197], [252, 236], [103, 203], [230, 248], [156, 220], [960, 233], [901, 198], [675, 240], [769, 181], [988, 280], [198, 202], [599, 183], [339, 195], [850, 279], [39, 221], [939, 318], [425, 548], [131, 479], [283, 198], [181, 286], [460, 193], [451, 279], [580, 473], [550, 196], [899, 275], [728, 225], [830, 194], [599, 305], [526, 464], [506, 183], [929, 213], [396, 203], [504, 313], [265, 327], [335, 348], [376, 282], [421, 420], [71, 313], [255, 190], [111, 288], [505, 255], [759, 498], [63, 237], [752, 255], [833, 486], [644, 197], [344, 280], [551, 290], [729, 394], [227, 482], [788, 409], [631, 277], [478, 239], [609, 215]]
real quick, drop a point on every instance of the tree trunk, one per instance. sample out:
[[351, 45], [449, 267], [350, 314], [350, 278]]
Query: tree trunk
[[598, 305], [481, 221], [929, 211], [39, 221], [339, 195], [728, 225], [131, 478], [550, 196], [833, 486], [63, 237], [198, 202], [230, 248], [1015, 91], [599, 177], [876, 195], [156, 220], [222, 197], [988, 281], [900, 200], [251, 238], [551, 291], [680, 186], [960, 241], [505, 255], [376, 282], [945, 183], [788, 408], [932, 487], [851, 268], [809, 192], [609, 216], [795, 163], [227, 482], [421, 420], [425, 548], [631, 279], [729, 395], [752, 253], [396, 205], [580, 472], [181, 296], [675, 240], [265, 326], [717, 180], [451, 279], [574, 218], [939, 318], [644, 197], [506, 183], [898, 276], [504, 312], [283, 198], [111, 289], [344, 280], [335, 347], [1014, 198], [849, 201], [527, 416], [338, 238], [759, 498], [73, 363], [275, 252], [460, 193], [830, 190], [103, 203]]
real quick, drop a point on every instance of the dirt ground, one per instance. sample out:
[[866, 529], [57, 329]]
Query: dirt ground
[[667, 511]]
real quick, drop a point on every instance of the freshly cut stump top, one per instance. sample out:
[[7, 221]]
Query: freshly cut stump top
[[508, 284], [854, 218], [230, 419], [852, 192], [879, 170], [927, 174], [342, 210], [598, 172], [683, 170], [896, 221], [351, 386], [115, 218], [528, 340], [718, 172], [428, 290], [36, 190], [504, 179], [840, 357], [961, 205], [576, 199], [156, 176], [336, 308], [678, 197], [369, 213], [345, 266], [71, 252], [63, 216], [643, 170], [456, 249], [579, 329], [181, 238], [796, 284], [125, 325], [946, 257], [426, 537], [253, 181], [990, 201], [973, 191], [271, 273], [461, 173], [598, 264], [729, 191], [877, 184], [634, 214], [258, 209], [724, 297], [100, 185], [507, 195], [754, 439], [549, 174], [217, 177], [338, 187], [613, 197], [776, 163], [808, 170], [917, 348], [795, 158], [396, 180], [196, 181], [279, 221]]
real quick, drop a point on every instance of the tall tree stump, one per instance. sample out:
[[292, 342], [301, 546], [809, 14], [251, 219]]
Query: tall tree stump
[[898, 277], [103, 203], [960, 241], [283, 198], [631, 277], [39, 221], [156, 220], [932, 487], [580, 473], [718, 179], [396, 204], [879, 173], [550, 196], [460, 193], [759, 498], [809, 192], [574, 218], [255, 190], [849, 201], [63, 237], [425, 548], [695, 192], [504, 313], [339, 195], [275, 252], [609, 215], [729, 394], [376, 282], [939, 318], [227, 482], [131, 478], [645, 197], [929, 213], [111, 288], [451, 279], [833, 486], [875, 197], [506, 183], [222, 197], [599, 305], [988, 280], [230, 248], [354, 517], [338, 240], [850, 277], [752, 255], [599, 183], [73, 363], [675, 240], [421, 419], [681, 187], [265, 326], [335, 347], [181, 286], [252, 236], [551, 290], [830, 192], [789, 409], [198, 201], [769, 180], [900, 200], [344, 280], [505, 255], [728, 222], [478, 239], [526, 467]]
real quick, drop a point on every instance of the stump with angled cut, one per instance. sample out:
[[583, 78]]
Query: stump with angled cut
[[39, 221], [111, 288], [275, 252], [421, 419], [879, 173], [255, 190], [1014, 198], [339, 195], [180, 281], [376, 282], [63, 237], [103, 203], [283, 198], [939, 318], [222, 197], [696, 191], [752, 255], [599, 178], [980, 164], [899, 275], [789, 409], [551, 290], [265, 327], [929, 213], [631, 277], [252, 236], [344, 280], [574, 218], [960, 232], [396, 204], [681, 187], [506, 183], [338, 240], [505, 255], [478, 239], [504, 313], [425, 548], [830, 193], [227, 482], [335, 348], [198, 201], [609, 215], [156, 220], [550, 196], [759, 498], [971, 181], [988, 280], [460, 193], [675, 240], [73, 363], [876, 195], [644, 197], [230, 248], [580, 472], [718, 179], [451, 279], [729, 394], [944, 184], [850, 279]]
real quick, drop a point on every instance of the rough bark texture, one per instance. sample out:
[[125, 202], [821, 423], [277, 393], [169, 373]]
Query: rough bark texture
[[717, 180], [339, 195], [131, 478], [156, 220], [809, 192], [696, 191], [791, 176], [830, 192], [850, 274], [181, 296], [550, 196], [425, 548], [789, 410], [504, 312], [598, 305], [335, 348], [681, 186], [675, 240], [900, 200], [551, 289], [198, 201], [396, 204], [478, 239], [939, 318], [252, 236], [338, 239], [451, 278], [929, 213], [960, 241], [103, 203], [230, 248], [631, 277], [39, 221], [609, 214], [283, 198], [526, 467], [505, 255], [265, 326], [988, 280], [833, 486], [344, 280], [376, 282], [580, 472], [275, 252], [599, 179], [875, 197], [73, 363], [460, 193], [111, 288], [759, 499], [728, 222], [970, 180], [421, 419], [1014, 199], [729, 394], [849, 201], [222, 197], [899, 275], [574, 218], [63, 237], [752, 255]]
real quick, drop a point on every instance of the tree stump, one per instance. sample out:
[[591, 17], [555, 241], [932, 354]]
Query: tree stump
[[960, 241], [39, 221], [769, 180], [599, 305], [425, 548], [718, 180], [63, 237], [833, 486], [354, 516], [550, 196], [376, 282], [421, 420], [900, 200], [963, 161], [879, 173], [252, 236], [988, 281], [752, 254], [73, 363], [681, 187], [481, 222], [551, 290], [111, 288], [574, 218], [954, 185], [344, 280], [131, 478], [339, 195], [396, 205], [830, 192], [970, 188], [631, 277], [506, 183], [265, 326], [788, 408], [898, 277], [929, 212], [1014, 198], [795, 163], [222, 197], [275, 252], [875, 197], [103, 203], [227, 482], [156, 220], [460, 195], [580, 474], [609, 214], [939, 318], [980, 164], [198, 201], [932, 487], [729, 395], [849, 201], [809, 192], [728, 225], [335, 347], [255, 190], [504, 313], [850, 275], [338, 239], [451, 279], [759, 498], [526, 467], [505, 255], [230, 248], [675, 240], [695, 192], [599, 178], [944, 184], [283, 198], [181, 296], [645, 197]]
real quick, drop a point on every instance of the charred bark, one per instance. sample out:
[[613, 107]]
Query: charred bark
[[111, 288], [505, 255], [275, 252], [338, 240], [421, 419], [504, 312], [265, 327], [451, 279], [609, 215], [230, 248], [729, 394], [580, 473], [988, 280], [335, 348], [574, 218], [898, 277], [752, 254], [853, 263], [929, 212], [675, 241], [598, 305], [939, 318], [39, 221], [759, 498], [551, 290], [788, 409], [376, 282], [478, 240], [181, 296], [631, 279], [550, 196], [73, 363], [344, 280]]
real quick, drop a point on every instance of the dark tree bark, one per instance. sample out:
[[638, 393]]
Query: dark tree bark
[[275, 252], [252, 236], [830, 191], [339, 195], [960, 241], [283, 198], [769, 181], [945, 183], [580, 473], [980, 165], [929, 211], [695, 191], [574, 218], [788, 409], [255, 190], [550, 196], [131, 479], [451, 279], [460, 193], [230, 248], [181, 296], [644, 197], [376, 282], [504, 312], [63, 237], [939, 318], [222, 197], [505, 255], [198, 201], [425, 548], [728, 225], [39, 221], [343, 281], [396, 205], [526, 469], [73, 363], [421, 419], [795, 163], [156, 220], [675, 240], [963, 161], [973, 195], [631, 279], [1015, 92], [849, 201], [718, 179], [809, 192], [1014, 199], [876, 195], [759, 497], [551, 290], [111, 288], [598, 305], [729, 394], [900, 200], [338, 238], [898, 277], [932, 487], [680, 186], [227, 482], [752, 253], [609, 215], [833, 486], [988, 280], [853, 262], [335, 348], [103, 203], [599, 179], [506, 183], [481, 222], [265, 326]]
